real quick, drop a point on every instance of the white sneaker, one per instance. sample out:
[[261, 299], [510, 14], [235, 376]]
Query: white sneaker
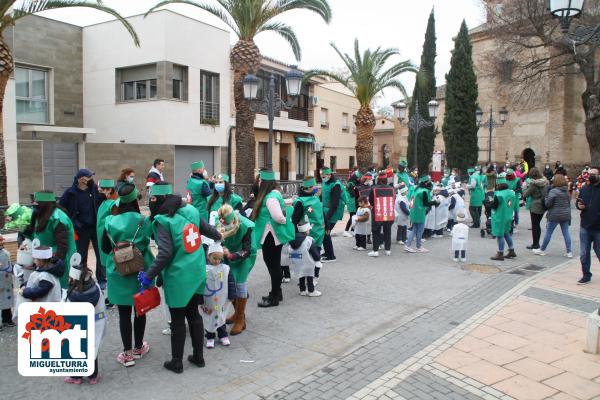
[[569, 255], [315, 281], [409, 249], [225, 341], [360, 249], [355, 247], [463, 260], [539, 252], [210, 343], [422, 250], [166, 331], [315, 293], [286, 280], [400, 242], [438, 236], [388, 253], [455, 259], [373, 254], [347, 234], [304, 293], [423, 240]]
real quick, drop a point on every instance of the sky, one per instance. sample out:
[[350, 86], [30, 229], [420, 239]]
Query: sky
[[398, 24]]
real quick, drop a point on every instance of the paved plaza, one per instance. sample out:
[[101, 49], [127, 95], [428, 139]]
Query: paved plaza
[[408, 326]]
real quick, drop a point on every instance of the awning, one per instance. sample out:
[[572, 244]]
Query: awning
[[305, 139]]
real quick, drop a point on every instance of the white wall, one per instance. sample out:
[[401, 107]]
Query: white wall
[[9, 114], [164, 36]]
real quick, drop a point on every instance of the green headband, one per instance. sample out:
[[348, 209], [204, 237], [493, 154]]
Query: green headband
[[197, 165], [308, 183], [161, 190], [402, 164], [129, 198], [470, 170], [44, 197], [266, 175], [326, 171], [106, 183], [510, 171], [225, 177]]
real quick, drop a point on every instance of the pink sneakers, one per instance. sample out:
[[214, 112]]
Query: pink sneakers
[[225, 341], [73, 381], [141, 352], [126, 359]]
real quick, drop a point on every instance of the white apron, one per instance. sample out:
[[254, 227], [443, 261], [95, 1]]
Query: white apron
[[6, 281], [441, 212], [459, 207], [302, 262], [362, 228], [100, 320], [401, 219], [214, 309], [430, 219], [460, 237], [55, 294]]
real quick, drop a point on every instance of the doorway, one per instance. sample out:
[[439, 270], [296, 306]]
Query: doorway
[[529, 155], [284, 161]]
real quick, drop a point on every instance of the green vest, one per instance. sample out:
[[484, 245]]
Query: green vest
[[103, 212], [195, 197], [418, 212], [241, 268], [351, 204], [314, 210], [529, 199], [284, 232], [512, 185], [477, 193], [121, 228], [46, 238], [186, 273], [403, 177], [326, 194], [234, 201], [503, 215]]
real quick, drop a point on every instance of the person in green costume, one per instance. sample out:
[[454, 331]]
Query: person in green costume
[[502, 218], [240, 254], [332, 196], [106, 187], [198, 189], [422, 201], [514, 184], [223, 195], [124, 223], [17, 217], [53, 227], [272, 230], [181, 264], [402, 177], [308, 205], [351, 206], [476, 189]]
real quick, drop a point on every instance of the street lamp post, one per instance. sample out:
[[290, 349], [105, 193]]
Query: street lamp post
[[567, 10], [273, 102], [417, 122], [491, 124]]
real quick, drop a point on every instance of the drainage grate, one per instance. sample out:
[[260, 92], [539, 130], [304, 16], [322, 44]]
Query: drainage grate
[[481, 268], [527, 270]]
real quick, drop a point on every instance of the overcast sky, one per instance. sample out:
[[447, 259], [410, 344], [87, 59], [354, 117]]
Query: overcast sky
[[387, 23]]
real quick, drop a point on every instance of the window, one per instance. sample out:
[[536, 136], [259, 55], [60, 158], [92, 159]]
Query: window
[[333, 163], [262, 154], [345, 127], [354, 124], [32, 95], [138, 83], [351, 162], [179, 78], [209, 98], [324, 118]]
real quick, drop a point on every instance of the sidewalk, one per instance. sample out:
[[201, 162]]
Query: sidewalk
[[527, 345]]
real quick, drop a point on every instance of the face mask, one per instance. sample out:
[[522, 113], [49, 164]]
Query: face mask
[[369, 183], [205, 174], [220, 187], [326, 178], [130, 179]]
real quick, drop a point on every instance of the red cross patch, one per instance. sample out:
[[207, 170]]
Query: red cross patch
[[188, 197], [191, 238]]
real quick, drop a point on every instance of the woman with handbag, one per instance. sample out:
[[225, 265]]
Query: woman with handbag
[[182, 266], [126, 239]]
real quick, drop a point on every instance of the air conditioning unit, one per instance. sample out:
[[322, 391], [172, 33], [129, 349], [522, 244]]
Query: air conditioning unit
[[314, 101], [317, 146]]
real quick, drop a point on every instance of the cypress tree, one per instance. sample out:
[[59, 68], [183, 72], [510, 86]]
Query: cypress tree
[[460, 128], [424, 91]]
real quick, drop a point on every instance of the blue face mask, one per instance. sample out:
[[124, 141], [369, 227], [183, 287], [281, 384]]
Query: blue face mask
[[130, 179], [315, 190], [220, 187]]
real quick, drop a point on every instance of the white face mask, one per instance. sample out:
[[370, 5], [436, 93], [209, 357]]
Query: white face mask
[[369, 183], [205, 174]]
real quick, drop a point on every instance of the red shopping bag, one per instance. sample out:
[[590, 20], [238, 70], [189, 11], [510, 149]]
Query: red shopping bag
[[146, 300]]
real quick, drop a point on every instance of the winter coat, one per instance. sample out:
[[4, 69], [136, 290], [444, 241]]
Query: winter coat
[[537, 190], [82, 205], [558, 204]]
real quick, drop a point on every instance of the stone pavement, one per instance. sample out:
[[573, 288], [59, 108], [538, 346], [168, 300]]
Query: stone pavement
[[374, 332]]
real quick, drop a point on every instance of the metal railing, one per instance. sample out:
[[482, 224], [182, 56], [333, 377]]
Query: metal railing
[[209, 113]]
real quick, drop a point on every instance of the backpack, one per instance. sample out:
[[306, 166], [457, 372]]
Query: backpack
[[128, 258]]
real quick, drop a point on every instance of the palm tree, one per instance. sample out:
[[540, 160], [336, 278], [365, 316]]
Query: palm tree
[[10, 16], [366, 78], [248, 18]]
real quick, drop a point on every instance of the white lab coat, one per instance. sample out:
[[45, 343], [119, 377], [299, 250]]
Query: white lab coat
[[441, 212], [460, 237], [401, 219]]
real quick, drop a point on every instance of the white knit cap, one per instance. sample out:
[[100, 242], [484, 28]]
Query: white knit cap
[[42, 253], [215, 248], [304, 227], [460, 217]]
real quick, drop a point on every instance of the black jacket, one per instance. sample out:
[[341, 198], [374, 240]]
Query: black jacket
[[590, 197], [82, 205]]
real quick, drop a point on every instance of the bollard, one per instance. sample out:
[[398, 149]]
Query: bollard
[[593, 333]]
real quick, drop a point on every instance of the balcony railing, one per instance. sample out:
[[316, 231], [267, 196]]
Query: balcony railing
[[209, 113]]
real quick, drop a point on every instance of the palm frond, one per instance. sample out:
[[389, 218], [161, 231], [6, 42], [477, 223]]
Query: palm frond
[[287, 33], [223, 15], [34, 6], [329, 74], [320, 7]]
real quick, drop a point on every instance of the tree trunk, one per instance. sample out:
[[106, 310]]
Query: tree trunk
[[6, 68], [245, 58], [592, 133], [365, 124]]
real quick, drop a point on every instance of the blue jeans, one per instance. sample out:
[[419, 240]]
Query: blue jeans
[[501, 240], [417, 229], [586, 238], [564, 227]]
